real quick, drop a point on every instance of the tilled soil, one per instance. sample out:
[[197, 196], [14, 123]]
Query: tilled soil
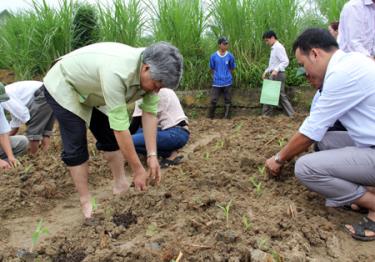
[[218, 205]]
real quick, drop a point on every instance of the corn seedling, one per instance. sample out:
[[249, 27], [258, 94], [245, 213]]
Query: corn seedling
[[152, 229], [94, 204], [37, 234], [262, 170], [219, 144], [206, 156], [226, 209], [276, 256], [262, 243], [246, 222], [257, 185], [238, 127], [281, 142]]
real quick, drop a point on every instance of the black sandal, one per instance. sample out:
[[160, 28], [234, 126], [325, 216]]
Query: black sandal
[[359, 229], [361, 210], [164, 163]]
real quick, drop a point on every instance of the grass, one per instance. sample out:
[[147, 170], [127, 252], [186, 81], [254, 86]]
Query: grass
[[31, 40]]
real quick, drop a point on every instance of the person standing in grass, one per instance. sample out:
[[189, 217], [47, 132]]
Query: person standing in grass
[[28, 105], [278, 62], [9, 146], [110, 75], [222, 64], [173, 130], [357, 27], [343, 171]]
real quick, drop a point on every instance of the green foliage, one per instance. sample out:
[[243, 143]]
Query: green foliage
[[31, 40], [124, 23], [330, 9], [85, 26], [37, 234], [182, 22]]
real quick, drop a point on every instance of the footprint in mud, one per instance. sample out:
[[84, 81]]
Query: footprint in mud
[[125, 219]]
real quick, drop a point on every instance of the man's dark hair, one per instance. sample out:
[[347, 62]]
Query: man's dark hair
[[269, 34], [315, 38]]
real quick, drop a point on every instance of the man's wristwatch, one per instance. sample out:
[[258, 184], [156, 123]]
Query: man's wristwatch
[[278, 160]]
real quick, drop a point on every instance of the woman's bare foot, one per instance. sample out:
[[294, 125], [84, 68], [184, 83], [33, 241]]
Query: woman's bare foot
[[172, 156], [86, 207]]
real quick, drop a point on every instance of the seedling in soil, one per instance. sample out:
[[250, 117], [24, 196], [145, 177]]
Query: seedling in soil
[[281, 142], [206, 156], [27, 169], [226, 209], [246, 222], [94, 204], [238, 126], [219, 144], [37, 234], [257, 185], [262, 244], [276, 256], [262, 170], [152, 229], [194, 114]]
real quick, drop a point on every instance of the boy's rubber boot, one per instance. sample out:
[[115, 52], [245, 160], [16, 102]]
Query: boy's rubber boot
[[227, 111], [211, 111]]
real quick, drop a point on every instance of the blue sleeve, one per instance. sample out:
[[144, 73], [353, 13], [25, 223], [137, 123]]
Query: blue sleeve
[[232, 62], [212, 62]]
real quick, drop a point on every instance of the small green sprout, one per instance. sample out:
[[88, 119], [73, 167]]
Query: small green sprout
[[257, 185], [262, 170], [238, 126], [226, 209], [37, 234], [246, 222], [94, 204], [276, 256], [206, 156], [281, 142], [262, 244], [27, 169], [152, 229], [219, 144]]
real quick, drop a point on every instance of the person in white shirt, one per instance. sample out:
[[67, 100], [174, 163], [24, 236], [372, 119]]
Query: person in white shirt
[[276, 71], [27, 105], [9, 146], [357, 27], [173, 132], [343, 171]]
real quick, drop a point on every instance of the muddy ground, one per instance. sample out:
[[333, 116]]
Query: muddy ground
[[268, 220]]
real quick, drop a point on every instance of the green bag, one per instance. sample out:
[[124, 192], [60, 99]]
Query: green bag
[[270, 92]]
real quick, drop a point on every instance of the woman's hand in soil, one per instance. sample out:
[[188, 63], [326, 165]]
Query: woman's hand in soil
[[273, 168], [13, 162], [4, 164], [154, 169], [140, 180]]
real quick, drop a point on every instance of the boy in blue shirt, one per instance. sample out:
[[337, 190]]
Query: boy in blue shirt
[[222, 64]]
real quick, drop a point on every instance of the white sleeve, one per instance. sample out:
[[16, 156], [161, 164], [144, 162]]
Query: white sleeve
[[19, 112]]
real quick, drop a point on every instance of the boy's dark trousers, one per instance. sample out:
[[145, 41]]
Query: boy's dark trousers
[[215, 94]]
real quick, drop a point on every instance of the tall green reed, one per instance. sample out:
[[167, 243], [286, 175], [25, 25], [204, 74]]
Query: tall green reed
[[330, 9], [123, 22], [31, 40], [182, 22]]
